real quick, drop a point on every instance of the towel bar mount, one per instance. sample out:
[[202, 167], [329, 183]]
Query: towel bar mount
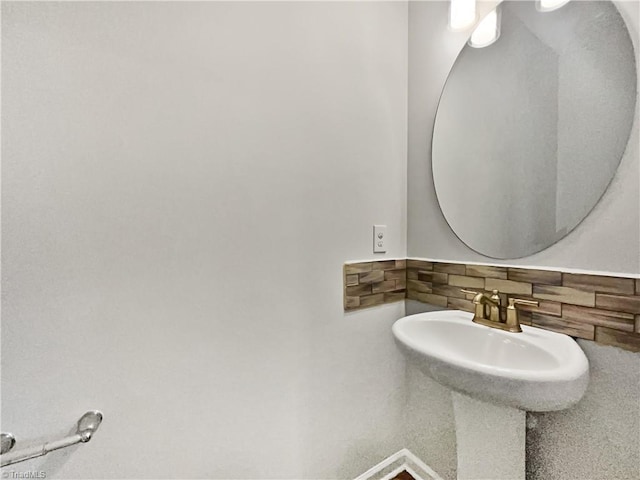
[[86, 427]]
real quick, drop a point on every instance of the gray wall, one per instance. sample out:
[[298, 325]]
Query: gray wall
[[595, 440], [181, 184], [598, 438]]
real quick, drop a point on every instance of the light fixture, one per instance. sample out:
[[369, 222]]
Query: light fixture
[[462, 14], [487, 31], [550, 5]]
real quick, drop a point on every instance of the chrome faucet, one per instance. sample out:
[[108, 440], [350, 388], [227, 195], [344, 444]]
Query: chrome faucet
[[487, 311]]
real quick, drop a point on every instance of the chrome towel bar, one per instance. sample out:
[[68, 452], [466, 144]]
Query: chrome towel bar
[[87, 426]]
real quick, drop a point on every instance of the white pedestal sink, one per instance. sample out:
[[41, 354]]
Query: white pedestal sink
[[495, 377]]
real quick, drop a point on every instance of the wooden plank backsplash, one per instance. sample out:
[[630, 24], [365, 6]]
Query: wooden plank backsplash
[[367, 284], [600, 308]]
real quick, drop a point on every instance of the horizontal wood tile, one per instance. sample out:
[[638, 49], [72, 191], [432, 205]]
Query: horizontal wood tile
[[439, 300], [418, 286], [486, 271], [374, 283], [383, 265], [546, 277], [352, 279], [466, 282], [373, 276], [619, 303], [524, 317], [564, 295], [434, 277], [599, 283], [357, 290], [394, 297], [429, 298], [507, 286], [595, 316], [386, 286], [351, 268], [448, 291], [395, 274], [351, 302], [454, 268], [460, 304], [568, 327], [594, 307], [414, 295], [370, 300], [616, 338], [420, 264], [546, 307]]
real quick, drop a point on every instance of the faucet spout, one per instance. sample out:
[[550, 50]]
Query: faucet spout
[[486, 307], [492, 317], [487, 300]]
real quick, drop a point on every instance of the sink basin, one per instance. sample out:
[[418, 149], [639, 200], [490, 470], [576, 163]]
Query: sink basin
[[536, 370]]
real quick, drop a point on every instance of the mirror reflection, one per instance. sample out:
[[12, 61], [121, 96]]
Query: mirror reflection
[[531, 128]]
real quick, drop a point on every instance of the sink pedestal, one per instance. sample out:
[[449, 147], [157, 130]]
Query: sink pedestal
[[490, 440], [535, 370]]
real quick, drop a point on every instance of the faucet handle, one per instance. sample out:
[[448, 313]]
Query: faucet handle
[[521, 301], [513, 322], [477, 296], [480, 310], [470, 292]]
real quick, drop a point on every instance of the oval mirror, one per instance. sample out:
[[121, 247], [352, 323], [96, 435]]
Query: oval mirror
[[530, 129]]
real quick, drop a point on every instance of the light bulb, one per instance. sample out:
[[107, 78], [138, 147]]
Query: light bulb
[[462, 14], [487, 31], [550, 5]]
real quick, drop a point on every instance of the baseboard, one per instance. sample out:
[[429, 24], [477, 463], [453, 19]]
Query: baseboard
[[400, 461]]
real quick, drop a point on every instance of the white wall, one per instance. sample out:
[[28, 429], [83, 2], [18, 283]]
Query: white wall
[[598, 438], [181, 185], [614, 222]]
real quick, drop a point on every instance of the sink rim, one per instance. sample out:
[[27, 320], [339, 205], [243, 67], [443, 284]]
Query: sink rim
[[572, 364]]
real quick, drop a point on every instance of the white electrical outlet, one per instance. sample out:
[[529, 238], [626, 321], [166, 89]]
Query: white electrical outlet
[[379, 238]]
